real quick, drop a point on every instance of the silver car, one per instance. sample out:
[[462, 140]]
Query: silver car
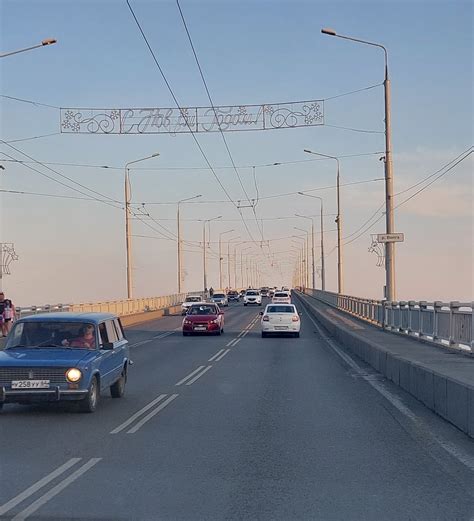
[[220, 299]]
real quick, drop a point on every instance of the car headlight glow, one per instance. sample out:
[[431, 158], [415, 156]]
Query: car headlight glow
[[73, 375]]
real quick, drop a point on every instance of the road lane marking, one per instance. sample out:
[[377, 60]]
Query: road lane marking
[[56, 490], [143, 342], [229, 344], [150, 415], [222, 355], [199, 375], [132, 418], [190, 375], [216, 355], [237, 341], [457, 453], [38, 485]]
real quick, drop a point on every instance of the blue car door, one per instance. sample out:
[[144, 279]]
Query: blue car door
[[107, 358]]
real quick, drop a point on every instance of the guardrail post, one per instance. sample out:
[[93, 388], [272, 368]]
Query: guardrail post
[[423, 307], [453, 307], [411, 310], [436, 310]]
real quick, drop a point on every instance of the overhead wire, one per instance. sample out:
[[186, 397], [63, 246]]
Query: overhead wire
[[184, 168]]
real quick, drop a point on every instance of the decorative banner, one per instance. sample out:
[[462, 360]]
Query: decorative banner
[[192, 119]]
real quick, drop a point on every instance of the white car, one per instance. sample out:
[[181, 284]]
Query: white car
[[281, 297], [220, 299], [252, 296], [189, 301], [282, 319]]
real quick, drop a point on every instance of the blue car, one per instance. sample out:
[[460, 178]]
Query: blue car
[[63, 357]]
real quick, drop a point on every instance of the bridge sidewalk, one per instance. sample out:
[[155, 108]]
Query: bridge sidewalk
[[442, 380]]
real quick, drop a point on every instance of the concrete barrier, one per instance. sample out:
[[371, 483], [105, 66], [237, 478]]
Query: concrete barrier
[[444, 382]]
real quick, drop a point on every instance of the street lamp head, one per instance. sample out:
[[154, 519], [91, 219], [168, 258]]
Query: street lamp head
[[48, 41], [156, 154], [307, 151], [330, 32]]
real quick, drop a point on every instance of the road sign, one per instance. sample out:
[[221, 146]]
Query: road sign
[[390, 237]]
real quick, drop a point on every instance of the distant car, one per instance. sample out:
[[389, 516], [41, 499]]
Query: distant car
[[264, 291], [203, 318], [281, 319], [242, 293], [220, 299], [233, 296], [57, 357], [189, 301], [281, 297], [252, 296]]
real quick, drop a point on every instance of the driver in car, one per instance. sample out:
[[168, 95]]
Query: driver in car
[[86, 338]]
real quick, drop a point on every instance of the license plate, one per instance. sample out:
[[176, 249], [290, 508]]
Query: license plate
[[30, 384], [200, 328], [279, 328]]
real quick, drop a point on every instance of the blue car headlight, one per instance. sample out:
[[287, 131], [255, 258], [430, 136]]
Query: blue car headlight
[[73, 375]]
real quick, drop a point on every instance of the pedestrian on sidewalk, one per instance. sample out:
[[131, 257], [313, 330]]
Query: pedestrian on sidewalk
[[7, 314]]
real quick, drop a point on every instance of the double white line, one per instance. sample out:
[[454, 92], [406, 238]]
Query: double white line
[[38, 503], [219, 355], [148, 416], [195, 375]]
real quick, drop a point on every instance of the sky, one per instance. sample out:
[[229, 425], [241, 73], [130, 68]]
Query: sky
[[251, 52]]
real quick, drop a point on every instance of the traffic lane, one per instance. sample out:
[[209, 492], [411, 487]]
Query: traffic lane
[[158, 366], [277, 430], [155, 328]]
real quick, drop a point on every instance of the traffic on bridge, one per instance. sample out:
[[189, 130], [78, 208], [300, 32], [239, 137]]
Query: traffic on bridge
[[236, 261]]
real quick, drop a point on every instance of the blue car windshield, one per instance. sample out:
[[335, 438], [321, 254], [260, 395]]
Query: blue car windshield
[[79, 335]]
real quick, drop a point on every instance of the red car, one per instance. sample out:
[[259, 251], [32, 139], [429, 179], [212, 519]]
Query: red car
[[203, 318]]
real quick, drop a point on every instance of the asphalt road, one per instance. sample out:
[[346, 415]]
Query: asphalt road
[[237, 428]]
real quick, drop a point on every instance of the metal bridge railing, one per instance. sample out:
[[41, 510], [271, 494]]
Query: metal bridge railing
[[117, 307], [449, 324]]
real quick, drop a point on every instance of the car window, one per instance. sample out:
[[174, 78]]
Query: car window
[[50, 333], [118, 329], [111, 333], [203, 310], [219, 295], [281, 295], [252, 293], [281, 309], [103, 336]]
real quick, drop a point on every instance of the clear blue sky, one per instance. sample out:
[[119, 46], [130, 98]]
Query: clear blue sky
[[251, 52]]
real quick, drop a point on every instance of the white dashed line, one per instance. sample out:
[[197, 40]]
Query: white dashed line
[[199, 375], [37, 486], [150, 415], [222, 355], [56, 490], [132, 418], [190, 375], [216, 355]]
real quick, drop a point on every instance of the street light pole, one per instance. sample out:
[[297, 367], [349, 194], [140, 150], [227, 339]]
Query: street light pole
[[180, 264], [390, 281], [307, 254], [221, 282], [323, 269], [304, 271], [340, 277], [312, 247], [44, 43], [229, 273], [242, 265], [128, 228], [204, 267]]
